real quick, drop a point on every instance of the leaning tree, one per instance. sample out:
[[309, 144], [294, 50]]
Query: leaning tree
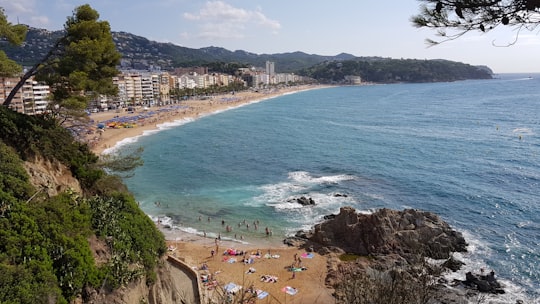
[[79, 66], [462, 16]]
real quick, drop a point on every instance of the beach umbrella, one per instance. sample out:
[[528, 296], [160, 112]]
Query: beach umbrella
[[101, 126]]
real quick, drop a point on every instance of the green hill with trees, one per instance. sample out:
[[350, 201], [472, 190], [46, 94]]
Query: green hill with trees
[[140, 53], [385, 70], [45, 253], [66, 226]]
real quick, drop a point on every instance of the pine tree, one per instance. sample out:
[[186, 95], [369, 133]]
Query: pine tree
[[80, 65]]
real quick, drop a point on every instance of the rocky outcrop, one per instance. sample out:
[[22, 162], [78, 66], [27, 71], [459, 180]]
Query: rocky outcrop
[[304, 201], [389, 232], [51, 177], [483, 283]]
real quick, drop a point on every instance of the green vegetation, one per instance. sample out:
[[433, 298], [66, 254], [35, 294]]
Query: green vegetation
[[15, 35], [45, 253], [414, 283], [80, 65], [348, 257], [382, 70]]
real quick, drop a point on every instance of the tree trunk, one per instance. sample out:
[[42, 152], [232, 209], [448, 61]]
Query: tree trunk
[[32, 72]]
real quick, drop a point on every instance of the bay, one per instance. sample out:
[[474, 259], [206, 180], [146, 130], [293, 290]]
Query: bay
[[468, 151]]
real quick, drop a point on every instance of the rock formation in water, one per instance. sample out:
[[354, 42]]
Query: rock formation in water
[[388, 232]]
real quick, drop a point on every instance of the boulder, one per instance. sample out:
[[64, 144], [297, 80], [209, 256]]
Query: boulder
[[304, 201], [483, 283], [452, 264], [386, 231]]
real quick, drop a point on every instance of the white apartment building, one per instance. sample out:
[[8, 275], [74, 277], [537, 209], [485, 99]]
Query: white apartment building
[[147, 89], [164, 88], [186, 82], [270, 68], [7, 84], [39, 100], [32, 98]]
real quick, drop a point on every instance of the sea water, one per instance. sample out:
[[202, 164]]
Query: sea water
[[468, 151]]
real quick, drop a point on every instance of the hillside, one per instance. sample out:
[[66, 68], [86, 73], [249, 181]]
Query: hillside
[[67, 229], [141, 53], [385, 70]]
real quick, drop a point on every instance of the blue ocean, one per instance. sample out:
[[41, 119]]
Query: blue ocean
[[468, 151]]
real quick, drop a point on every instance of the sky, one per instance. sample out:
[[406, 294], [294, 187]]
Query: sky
[[357, 27]]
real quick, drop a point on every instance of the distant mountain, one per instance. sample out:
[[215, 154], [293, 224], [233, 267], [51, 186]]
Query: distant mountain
[[139, 52]]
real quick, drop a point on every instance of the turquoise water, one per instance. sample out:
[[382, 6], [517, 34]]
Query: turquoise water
[[468, 151]]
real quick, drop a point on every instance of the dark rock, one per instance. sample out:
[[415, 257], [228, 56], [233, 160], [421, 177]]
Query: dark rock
[[304, 201], [340, 195], [487, 283], [329, 216], [453, 264], [294, 241], [386, 231]]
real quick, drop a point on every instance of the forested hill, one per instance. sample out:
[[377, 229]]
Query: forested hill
[[141, 53], [67, 228], [384, 70]]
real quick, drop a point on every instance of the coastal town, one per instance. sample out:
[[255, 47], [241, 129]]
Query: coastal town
[[154, 87], [163, 171]]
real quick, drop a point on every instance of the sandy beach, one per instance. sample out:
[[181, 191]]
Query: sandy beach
[[147, 119], [267, 273]]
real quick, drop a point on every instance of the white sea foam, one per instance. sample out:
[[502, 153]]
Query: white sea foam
[[282, 196], [307, 178], [478, 252], [523, 131]]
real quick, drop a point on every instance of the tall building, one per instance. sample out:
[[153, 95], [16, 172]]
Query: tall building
[[270, 68], [6, 86], [32, 98], [38, 98]]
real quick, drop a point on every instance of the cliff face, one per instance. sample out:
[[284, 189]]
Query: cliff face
[[52, 177], [389, 232]]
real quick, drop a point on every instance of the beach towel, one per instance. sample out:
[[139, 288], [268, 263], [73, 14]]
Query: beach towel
[[261, 294], [269, 278], [232, 260], [232, 288], [308, 255], [289, 290]]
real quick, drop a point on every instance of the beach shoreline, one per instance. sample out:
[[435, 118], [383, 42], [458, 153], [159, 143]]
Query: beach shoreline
[[196, 250], [113, 134]]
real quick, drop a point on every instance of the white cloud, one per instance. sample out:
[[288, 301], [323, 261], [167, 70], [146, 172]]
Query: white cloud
[[218, 19], [24, 11], [17, 7]]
